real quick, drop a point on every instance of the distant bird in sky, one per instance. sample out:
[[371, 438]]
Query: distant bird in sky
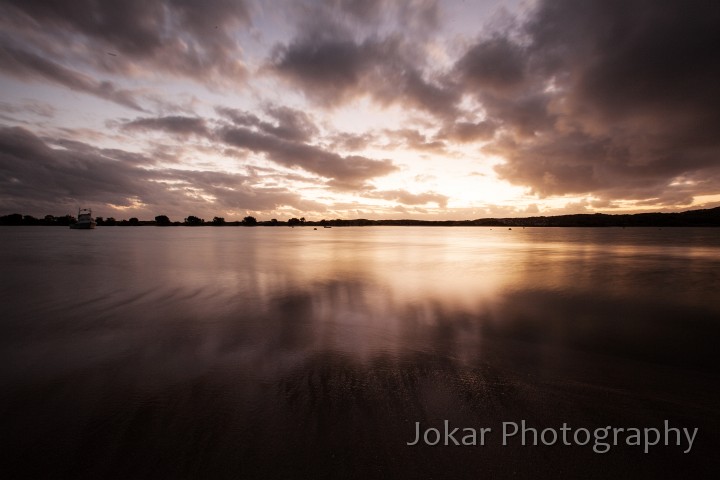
[[113, 54]]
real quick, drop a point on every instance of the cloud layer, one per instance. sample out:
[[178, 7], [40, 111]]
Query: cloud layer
[[234, 105], [618, 100]]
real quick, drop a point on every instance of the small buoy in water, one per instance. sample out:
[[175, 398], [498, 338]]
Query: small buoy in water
[[314, 228], [509, 228]]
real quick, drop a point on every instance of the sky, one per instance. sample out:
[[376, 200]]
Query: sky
[[358, 108]]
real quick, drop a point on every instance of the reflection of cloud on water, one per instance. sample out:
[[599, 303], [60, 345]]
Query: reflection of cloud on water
[[174, 334], [356, 319], [335, 373]]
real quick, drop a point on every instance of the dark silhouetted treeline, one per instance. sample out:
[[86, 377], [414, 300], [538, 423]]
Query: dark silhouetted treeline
[[18, 219], [691, 218], [65, 220]]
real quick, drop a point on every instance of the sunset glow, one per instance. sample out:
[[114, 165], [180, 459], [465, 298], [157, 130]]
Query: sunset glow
[[357, 109]]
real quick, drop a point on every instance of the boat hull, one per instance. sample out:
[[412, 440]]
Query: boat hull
[[83, 226]]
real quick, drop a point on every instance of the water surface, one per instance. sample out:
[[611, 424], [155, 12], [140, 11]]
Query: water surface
[[142, 352]]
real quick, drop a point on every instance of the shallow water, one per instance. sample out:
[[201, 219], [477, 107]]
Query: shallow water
[[142, 352]]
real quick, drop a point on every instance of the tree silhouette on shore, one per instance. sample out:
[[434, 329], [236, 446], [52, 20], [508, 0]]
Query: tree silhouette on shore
[[193, 220], [162, 220], [691, 218]]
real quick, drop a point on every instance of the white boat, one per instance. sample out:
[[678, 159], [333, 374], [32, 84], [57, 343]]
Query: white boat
[[85, 220]]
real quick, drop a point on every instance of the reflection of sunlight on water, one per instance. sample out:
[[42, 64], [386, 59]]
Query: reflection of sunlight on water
[[408, 266], [365, 292], [276, 293]]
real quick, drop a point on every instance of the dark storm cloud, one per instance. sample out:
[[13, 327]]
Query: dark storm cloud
[[185, 37], [292, 124], [177, 125], [328, 70], [464, 132], [47, 177], [29, 66], [630, 58], [333, 68], [43, 176], [496, 64], [525, 114], [352, 170], [614, 99]]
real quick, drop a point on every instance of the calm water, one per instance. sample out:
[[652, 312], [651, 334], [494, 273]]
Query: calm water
[[298, 353]]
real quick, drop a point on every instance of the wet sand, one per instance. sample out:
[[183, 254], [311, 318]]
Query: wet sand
[[279, 412], [329, 417]]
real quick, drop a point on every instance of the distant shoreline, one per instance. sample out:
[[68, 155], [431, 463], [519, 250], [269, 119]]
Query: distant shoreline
[[690, 218]]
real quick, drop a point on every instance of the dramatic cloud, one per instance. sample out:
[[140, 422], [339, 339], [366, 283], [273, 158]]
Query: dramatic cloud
[[464, 132], [282, 143], [27, 65], [184, 37], [44, 176], [497, 65], [350, 172], [290, 124], [177, 125], [333, 69], [347, 107], [33, 172], [615, 100]]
